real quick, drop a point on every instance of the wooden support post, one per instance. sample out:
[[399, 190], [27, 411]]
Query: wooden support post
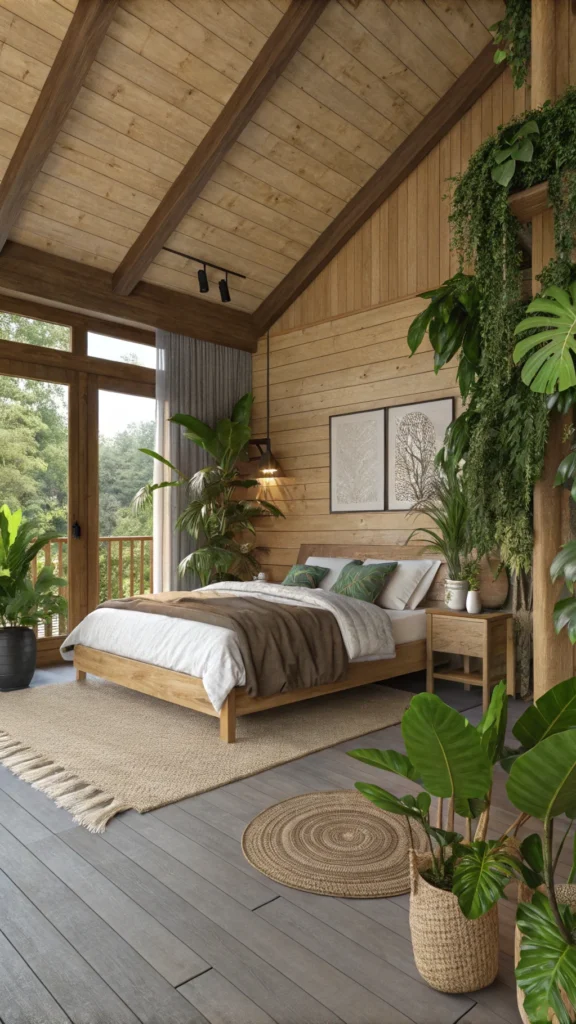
[[552, 653], [228, 718]]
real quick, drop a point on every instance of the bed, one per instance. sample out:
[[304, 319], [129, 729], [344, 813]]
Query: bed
[[189, 691]]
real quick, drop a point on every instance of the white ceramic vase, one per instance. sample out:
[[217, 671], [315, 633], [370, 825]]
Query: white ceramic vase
[[473, 602], [455, 594]]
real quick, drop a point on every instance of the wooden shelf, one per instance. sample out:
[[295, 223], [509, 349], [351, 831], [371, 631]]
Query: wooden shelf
[[456, 676]]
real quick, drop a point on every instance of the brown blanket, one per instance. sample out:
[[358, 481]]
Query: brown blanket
[[284, 647]]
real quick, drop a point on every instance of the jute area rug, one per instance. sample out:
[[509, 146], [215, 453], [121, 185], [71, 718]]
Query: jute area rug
[[96, 748], [334, 844]]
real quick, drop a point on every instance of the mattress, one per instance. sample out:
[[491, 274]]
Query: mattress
[[407, 626]]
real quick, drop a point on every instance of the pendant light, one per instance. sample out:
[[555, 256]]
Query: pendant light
[[268, 466]]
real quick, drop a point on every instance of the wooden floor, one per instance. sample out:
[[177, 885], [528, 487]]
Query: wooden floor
[[162, 921]]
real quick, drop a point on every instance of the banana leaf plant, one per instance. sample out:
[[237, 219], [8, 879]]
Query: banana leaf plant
[[452, 761], [452, 320], [215, 516], [24, 601]]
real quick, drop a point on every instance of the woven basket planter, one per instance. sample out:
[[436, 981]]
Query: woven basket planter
[[452, 953], [564, 894]]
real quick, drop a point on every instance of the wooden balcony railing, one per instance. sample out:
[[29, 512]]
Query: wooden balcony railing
[[125, 569]]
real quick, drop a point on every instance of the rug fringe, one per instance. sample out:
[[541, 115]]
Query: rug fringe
[[88, 805]]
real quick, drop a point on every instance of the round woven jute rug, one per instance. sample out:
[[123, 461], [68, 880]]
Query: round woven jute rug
[[335, 844]]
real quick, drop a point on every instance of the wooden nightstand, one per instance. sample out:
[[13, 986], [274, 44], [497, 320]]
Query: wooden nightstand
[[488, 636]]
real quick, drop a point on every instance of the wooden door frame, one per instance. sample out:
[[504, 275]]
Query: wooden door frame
[[84, 376]]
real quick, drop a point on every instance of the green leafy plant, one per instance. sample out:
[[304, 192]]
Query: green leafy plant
[[452, 320], [542, 784], [513, 38], [446, 506], [452, 761], [215, 516], [515, 146], [552, 325], [471, 573], [24, 601]]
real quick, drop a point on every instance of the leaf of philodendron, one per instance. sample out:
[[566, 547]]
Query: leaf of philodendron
[[531, 850], [564, 564], [554, 712], [547, 963], [385, 800], [388, 760], [542, 782], [564, 615], [492, 726], [482, 872], [504, 172], [444, 749], [418, 328]]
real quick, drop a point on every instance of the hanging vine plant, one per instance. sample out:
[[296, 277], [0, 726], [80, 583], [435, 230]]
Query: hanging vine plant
[[502, 433], [512, 36]]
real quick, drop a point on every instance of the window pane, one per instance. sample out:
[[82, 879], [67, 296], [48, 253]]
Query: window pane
[[34, 332], [34, 468], [126, 424], [119, 351]]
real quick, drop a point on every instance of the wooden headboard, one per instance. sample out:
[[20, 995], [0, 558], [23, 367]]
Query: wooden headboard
[[492, 591]]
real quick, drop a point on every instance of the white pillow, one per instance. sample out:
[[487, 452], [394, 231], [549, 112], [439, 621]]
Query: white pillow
[[424, 586], [402, 583], [335, 565]]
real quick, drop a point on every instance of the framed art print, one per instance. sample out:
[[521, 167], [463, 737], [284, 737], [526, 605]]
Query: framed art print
[[357, 476], [414, 435]]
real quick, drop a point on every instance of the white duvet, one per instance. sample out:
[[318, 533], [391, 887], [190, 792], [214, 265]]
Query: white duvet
[[211, 652]]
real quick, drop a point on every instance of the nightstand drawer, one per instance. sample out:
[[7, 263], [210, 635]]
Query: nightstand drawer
[[458, 636]]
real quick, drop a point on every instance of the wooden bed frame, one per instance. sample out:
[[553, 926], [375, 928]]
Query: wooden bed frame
[[189, 691]]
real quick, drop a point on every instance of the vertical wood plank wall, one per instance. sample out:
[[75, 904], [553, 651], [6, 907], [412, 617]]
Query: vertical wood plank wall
[[342, 346]]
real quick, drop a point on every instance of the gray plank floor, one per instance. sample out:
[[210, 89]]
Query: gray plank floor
[[162, 921]]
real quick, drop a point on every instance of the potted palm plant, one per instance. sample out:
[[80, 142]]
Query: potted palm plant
[[215, 516], [445, 505], [24, 602]]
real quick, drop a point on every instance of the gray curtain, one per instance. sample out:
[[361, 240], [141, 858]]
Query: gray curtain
[[203, 380]]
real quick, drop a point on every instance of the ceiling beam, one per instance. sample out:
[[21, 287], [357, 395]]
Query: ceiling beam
[[269, 64], [88, 289], [77, 52], [443, 116]]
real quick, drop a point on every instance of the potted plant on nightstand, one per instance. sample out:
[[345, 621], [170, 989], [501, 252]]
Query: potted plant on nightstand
[[446, 507], [23, 602], [471, 573]]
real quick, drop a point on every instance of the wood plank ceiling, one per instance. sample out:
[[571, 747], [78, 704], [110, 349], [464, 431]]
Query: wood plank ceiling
[[360, 83]]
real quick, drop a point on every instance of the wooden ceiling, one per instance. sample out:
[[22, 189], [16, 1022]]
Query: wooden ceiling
[[362, 80]]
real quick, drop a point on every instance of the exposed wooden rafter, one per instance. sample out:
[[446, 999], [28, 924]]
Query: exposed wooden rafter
[[75, 55], [42, 275], [277, 51], [443, 116]]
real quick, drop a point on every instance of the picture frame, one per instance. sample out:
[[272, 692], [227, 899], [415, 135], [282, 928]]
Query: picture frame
[[357, 461], [414, 434]]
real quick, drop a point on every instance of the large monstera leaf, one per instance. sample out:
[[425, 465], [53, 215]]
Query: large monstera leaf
[[482, 872], [550, 367], [445, 750], [547, 962]]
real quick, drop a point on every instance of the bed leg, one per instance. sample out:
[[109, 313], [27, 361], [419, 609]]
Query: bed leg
[[228, 719], [80, 676]]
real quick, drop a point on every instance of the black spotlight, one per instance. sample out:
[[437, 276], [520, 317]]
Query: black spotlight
[[224, 290], [203, 280]]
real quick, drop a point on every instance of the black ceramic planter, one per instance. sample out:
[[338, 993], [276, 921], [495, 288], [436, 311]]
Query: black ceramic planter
[[17, 657]]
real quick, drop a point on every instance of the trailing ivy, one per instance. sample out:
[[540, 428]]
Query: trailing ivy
[[513, 37], [502, 434]]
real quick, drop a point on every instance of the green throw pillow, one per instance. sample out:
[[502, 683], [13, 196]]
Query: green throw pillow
[[305, 576], [364, 582]]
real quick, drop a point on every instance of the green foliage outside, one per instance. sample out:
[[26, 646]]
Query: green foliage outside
[[34, 459]]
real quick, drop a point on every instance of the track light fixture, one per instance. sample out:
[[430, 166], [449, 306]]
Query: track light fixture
[[224, 290], [203, 280], [203, 276]]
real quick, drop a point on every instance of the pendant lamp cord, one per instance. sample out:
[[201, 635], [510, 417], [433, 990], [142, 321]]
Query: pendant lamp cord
[[268, 389]]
